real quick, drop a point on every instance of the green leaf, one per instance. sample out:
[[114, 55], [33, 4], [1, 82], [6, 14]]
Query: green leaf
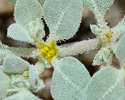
[[120, 49], [17, 32], [36, 83], [33, 75], [63, 18], [119, 29], [69, 79], [23, 95], [4, 84], [27, 10], [4, 50], [14, 64], [14, 1], [106, 84], [99, 8]]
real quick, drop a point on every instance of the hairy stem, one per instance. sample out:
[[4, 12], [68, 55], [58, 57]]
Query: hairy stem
[[18, 51], [78, 47]]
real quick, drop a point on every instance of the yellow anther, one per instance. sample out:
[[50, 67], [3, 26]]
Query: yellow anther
[[48, 55], [43, 50], [48, 51], [51, 51], [46, 48]]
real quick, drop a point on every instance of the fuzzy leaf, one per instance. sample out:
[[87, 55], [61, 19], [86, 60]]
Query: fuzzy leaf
[[120, 49], [14, 64], [106, 84], [63, 18], [99, 8], [33, 76], [17, 32], [27, 10], [14, 1], [4, 84], [69, 79], [4, 50], [23, 95], [119, 29]]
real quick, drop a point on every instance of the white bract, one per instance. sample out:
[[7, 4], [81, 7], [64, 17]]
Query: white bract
[[71, 80]]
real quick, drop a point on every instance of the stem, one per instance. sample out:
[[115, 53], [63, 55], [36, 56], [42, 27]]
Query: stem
[[78, 47]]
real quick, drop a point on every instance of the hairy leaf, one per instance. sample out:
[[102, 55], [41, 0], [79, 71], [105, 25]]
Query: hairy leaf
[[4, 50], [69, 79], [14, 64], [27, 10], [99, 8], [33, 76], [106, 84], [14, 1], [17, 32], [119, 29], [4, 84], [63, 18], [120, 49], [23, 95]]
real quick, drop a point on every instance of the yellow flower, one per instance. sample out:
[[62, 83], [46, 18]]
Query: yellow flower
[[48, 51]]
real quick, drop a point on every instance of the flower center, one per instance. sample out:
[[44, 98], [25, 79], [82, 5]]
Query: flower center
[[48, 51], [105, 36]]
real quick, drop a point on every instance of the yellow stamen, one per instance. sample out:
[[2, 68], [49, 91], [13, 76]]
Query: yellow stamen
[[46, 48], [43, 50], [48, 51]]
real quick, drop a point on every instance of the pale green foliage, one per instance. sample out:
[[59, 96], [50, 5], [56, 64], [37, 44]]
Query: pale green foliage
[[4, 84], [119, 29], [36, 29], [102, 57], [14, 64], [27, 10], [69, 79], [99, 8], [14, 1], [4, 50], [23, 95], [106, 84], [95, 29], [96, 6], [22, 75], [63, 18], [36, 84], [24, 52], [40, 66], [33, 75], [17, 32], [120, 49]]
